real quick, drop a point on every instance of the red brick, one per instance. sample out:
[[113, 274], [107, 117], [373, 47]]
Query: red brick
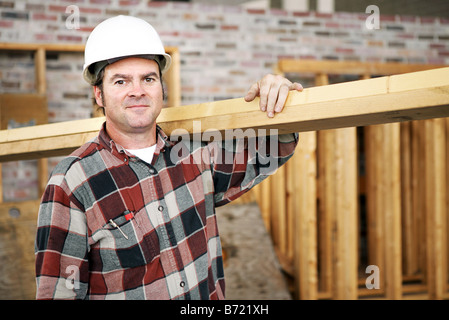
[[278, 12], [230, 27], [129, 2], [323, 15], [6, 23], [408, 19], [387, 18], [406, 36], [43, 16], [344, 50], [57, 8], [70, 38], [437, 46], [332, 25], [154, 4], [301, 14], [86, 29], [100, 2], [255, 11], [428, 20], [90, 10], [44, 37]]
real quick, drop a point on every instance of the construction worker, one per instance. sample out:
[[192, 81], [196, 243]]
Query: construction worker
[[120, 219]]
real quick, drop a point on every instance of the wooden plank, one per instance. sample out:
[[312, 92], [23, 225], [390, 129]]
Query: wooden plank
[[384, 205], [409, 228], [40, 69], [358, 103], [391, 194], [47, 46], [55, 47], [436, 209], [326, 195], [306, 278], [23, 108], [173, 78], [17, 235], [278, 210], [350, 67], [374, 216], [326, 208], [418, 192], [447, 200], [346, 212]]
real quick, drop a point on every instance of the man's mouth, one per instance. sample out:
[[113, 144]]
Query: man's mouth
[[137, 106]]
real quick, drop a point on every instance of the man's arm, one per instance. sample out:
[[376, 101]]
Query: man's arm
[[237, 167], [61, 245]]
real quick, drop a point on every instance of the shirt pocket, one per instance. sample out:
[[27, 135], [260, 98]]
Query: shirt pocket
[[127, 244]]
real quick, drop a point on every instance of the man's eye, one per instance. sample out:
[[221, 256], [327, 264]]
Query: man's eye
[[149, 79], [120, 82]]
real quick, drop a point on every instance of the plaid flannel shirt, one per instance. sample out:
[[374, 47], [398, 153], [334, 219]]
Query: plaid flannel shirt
[[111, 226]]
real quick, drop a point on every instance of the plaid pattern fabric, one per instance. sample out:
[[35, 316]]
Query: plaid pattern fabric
[[111, 226]]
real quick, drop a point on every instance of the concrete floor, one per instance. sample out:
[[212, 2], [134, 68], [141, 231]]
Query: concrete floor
[[252, 271]]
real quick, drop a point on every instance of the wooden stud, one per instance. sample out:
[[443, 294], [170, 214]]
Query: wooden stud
[[17, 274], [40, 69], [384, 205], [418, 192], [326, 196], [305, 219], [436, 209], [409, 227], [392, 210], [346, 211]]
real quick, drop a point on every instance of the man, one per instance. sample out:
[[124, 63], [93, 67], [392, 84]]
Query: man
[[120, 219]]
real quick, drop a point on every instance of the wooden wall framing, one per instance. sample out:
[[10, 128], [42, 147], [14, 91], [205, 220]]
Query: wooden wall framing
[[405, 187]]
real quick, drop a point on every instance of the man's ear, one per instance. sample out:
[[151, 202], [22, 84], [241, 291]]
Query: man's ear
[[98, 97]]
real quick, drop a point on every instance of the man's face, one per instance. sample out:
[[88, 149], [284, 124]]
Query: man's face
[[132, 95]]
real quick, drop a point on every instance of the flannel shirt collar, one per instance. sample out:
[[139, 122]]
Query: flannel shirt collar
[[105, 142]]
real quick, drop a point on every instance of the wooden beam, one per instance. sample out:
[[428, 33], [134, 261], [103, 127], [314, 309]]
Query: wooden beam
[[350, 67], [65, 47], [436, 208], [344, 231], [305, 218], [412, 96]]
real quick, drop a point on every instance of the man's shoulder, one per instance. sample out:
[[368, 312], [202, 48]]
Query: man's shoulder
[[66, 163]]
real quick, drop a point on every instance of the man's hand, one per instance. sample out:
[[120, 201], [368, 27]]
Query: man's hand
[[273, 91]]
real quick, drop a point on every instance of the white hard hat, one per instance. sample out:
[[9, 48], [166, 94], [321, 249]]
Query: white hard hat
[[120, 37]]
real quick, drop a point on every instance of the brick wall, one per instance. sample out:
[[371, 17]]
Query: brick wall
[[224, 49]]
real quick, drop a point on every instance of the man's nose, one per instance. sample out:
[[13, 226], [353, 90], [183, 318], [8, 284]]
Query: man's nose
[[137, 90]]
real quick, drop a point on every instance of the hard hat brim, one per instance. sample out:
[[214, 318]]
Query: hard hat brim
[[90, 74]]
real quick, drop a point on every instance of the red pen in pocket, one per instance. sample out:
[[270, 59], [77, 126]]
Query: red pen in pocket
[[128, 215]]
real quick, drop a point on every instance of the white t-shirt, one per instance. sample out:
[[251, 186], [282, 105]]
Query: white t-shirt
[[146, 154]]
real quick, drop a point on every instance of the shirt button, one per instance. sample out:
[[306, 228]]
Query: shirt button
[[151, 171], [182, 284], [160, 208]]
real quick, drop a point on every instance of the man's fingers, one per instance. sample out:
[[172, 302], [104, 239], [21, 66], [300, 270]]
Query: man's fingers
[[273, 92], [265, 88], [252, 93], [282, 97], [296, 86]]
